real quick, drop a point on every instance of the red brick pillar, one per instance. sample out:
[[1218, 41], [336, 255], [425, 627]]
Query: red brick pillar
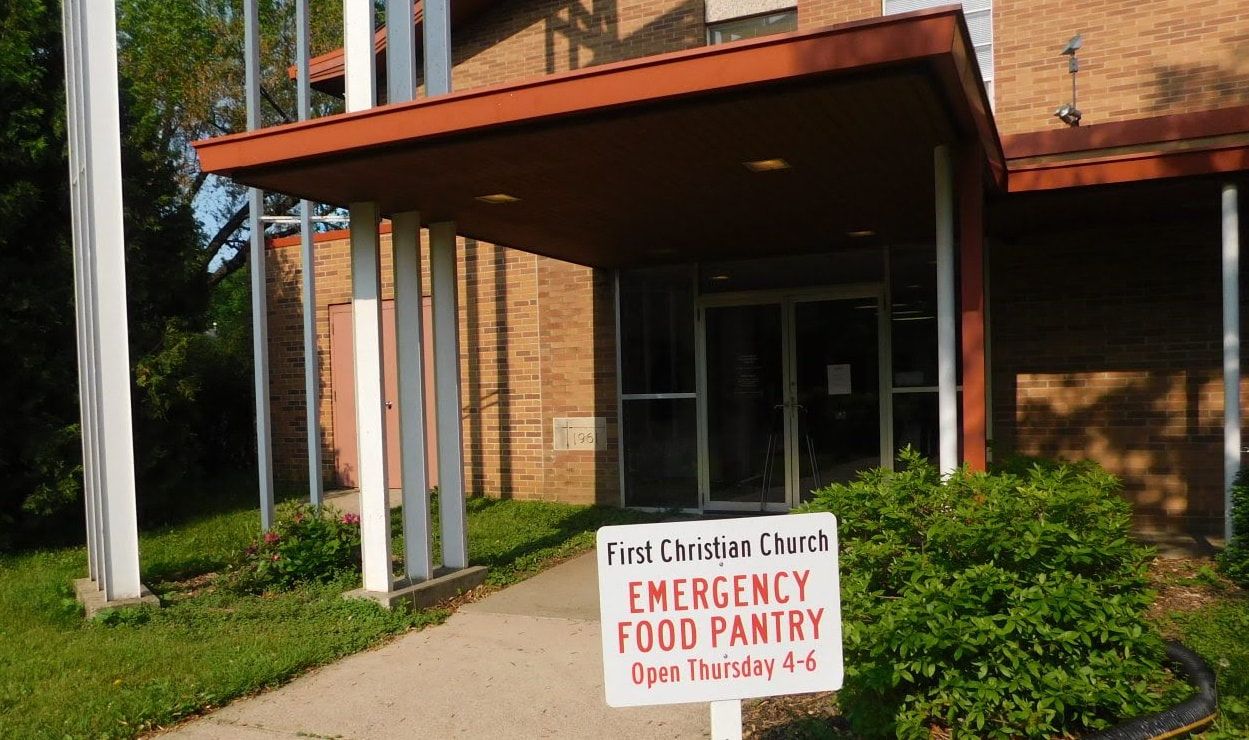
[[972, 304]]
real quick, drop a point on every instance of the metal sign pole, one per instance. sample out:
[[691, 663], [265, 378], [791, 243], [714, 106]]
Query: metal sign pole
[[726, 720]]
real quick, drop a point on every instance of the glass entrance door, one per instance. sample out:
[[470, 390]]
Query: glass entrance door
[[791, 396], [837, 400], [745, 401]]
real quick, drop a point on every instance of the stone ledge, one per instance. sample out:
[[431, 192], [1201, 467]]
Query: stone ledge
[[445, 584], [93, 602]]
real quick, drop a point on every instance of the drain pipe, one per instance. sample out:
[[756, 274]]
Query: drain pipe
[[1193, 715]]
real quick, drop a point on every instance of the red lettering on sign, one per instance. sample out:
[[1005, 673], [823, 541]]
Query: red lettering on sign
[[658, 595]]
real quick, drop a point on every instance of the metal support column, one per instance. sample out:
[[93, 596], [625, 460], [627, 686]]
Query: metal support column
[[442, 262], [405, 238], [366, 324], [312, 380], [437, 42], [947, 376], [1231, 350], [359, 73], [256, 262], [99, 245], [400, 51]]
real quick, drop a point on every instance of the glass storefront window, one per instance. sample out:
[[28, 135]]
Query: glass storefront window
[[660, 452], [658, 392], [657, 331]]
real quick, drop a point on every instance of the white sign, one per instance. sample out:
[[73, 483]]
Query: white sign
[[838, 380], [716, 610]]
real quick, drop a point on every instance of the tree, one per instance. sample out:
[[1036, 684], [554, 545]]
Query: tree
[[186, 60], [168, 294]]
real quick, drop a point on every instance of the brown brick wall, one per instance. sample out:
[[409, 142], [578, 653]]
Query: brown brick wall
[[537, 342], [1107, 345], [813, 14], [1108, 373], [1140, 58]]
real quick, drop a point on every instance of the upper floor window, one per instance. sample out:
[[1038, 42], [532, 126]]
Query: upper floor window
[[979, 15], [734, 29]]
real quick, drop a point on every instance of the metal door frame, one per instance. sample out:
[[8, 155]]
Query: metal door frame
[[786, 300]]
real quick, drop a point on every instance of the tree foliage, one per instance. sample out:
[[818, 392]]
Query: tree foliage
[[176, 362], [186, 61]]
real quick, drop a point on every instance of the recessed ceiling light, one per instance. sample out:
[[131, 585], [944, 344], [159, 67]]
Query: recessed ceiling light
[[719, 277], [766, 165], [860, 233], [498, 198]]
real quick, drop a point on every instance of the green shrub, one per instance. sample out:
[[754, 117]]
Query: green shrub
[[1234, 560], [998, 605], [305, 545]]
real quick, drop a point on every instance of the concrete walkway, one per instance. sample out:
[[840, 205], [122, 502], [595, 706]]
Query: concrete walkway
[[521, 663]]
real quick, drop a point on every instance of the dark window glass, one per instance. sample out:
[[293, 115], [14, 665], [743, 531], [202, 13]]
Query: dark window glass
[[660, 454], [657, 330], [913, 274], [755, 25]]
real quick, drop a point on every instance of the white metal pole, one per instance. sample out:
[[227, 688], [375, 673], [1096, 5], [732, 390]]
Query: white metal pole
[[106, 244], [442, 260], [259, 289], [400, 51], [359, 72], [947, 351], [86, 379], [437, 42], [366, 320], [726, 720], [312, 380], [1231, 350], [405, 235]]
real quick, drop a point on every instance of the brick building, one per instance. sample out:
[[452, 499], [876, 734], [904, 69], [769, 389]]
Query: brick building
[[740, 347]]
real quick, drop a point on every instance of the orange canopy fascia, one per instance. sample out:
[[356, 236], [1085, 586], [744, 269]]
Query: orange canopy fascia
[[613, 161], [1160, 147]]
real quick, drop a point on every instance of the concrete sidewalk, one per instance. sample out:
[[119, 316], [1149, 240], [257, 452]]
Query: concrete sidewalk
[[521, 663]]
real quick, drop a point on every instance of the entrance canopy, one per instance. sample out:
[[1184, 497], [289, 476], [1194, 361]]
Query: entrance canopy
[[657, 159]]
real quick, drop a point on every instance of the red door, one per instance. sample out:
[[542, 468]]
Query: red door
[[343, 391]]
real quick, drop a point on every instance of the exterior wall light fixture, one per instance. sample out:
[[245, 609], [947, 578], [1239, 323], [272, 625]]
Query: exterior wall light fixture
[[1069, 113]]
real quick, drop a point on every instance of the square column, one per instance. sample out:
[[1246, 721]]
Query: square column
[[366, 321], [1230, 201], [442, 266], [409, 330], [947, 351], [100, 293], [971, 253], [256, 264]]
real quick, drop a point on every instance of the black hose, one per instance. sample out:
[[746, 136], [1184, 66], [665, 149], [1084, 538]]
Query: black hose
[[1190, 716]]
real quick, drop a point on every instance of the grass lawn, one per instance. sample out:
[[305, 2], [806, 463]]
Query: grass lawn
[[63, 677], [1211, 616]]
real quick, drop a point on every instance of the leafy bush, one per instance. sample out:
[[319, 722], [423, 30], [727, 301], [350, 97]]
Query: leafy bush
[[1234, 560], [305, 545], [997, 605]]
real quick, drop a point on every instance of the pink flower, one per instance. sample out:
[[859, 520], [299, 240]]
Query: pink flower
[[276, 557], [351, 518], [271, 538], [251, 550]]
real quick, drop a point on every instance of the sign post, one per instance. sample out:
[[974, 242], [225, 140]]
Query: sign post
[[720, 611]]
